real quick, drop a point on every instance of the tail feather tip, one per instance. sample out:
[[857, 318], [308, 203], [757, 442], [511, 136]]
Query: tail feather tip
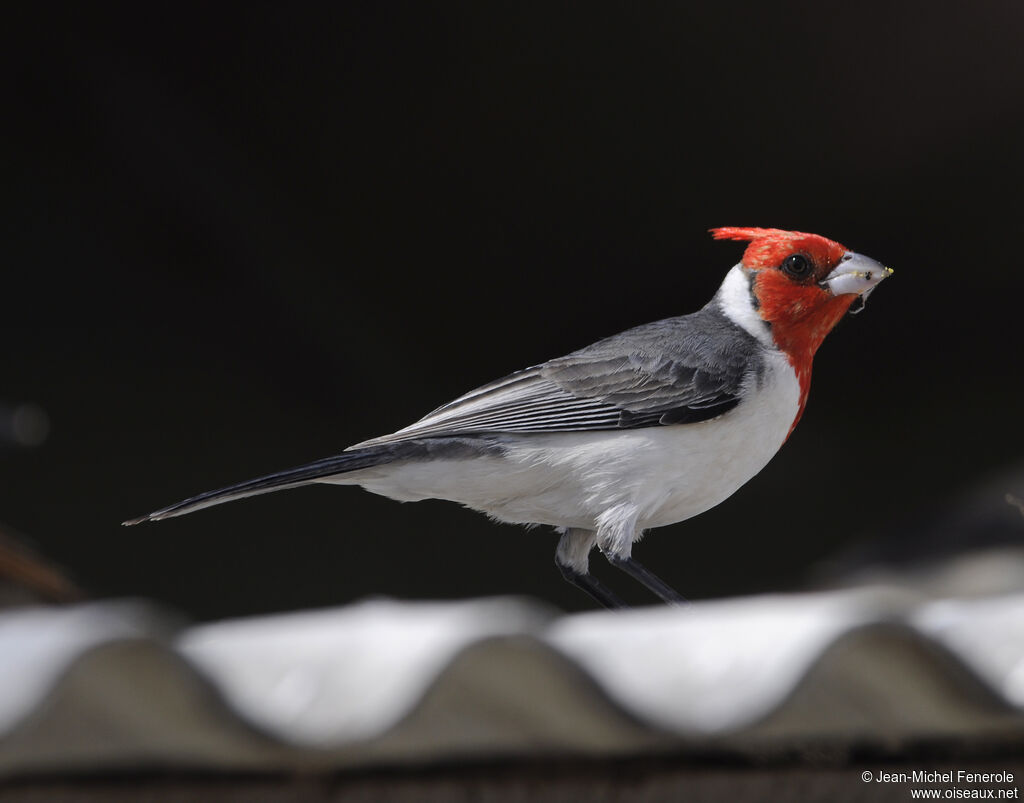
[[133, 522]]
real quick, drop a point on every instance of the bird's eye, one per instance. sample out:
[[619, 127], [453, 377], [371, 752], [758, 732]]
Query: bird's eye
[[797, 266]]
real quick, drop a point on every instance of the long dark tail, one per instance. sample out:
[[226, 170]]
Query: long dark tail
[[289, 478]]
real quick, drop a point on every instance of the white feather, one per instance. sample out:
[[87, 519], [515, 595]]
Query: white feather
[[617, 482], [735, 299]]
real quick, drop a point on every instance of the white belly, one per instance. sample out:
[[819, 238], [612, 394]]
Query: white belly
[[667, 474]]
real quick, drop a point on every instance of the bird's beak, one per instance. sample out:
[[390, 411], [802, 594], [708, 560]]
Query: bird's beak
[[857, 275]]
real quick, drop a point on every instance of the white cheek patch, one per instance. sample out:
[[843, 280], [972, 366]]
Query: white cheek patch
[[737, 302]]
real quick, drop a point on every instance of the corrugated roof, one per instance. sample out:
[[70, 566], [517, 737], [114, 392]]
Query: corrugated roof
[[120, 685]]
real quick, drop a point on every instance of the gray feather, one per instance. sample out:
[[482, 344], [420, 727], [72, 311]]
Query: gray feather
[[346, 462], [679, 370], [676, 371]]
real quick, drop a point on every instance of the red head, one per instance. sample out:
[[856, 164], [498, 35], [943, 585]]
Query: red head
[[790, 269], [802, 284]]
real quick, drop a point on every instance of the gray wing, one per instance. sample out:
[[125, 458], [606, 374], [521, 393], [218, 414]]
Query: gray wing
[[675, 371]]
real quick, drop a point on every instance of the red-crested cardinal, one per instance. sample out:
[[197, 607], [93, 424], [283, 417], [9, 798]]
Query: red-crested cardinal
[[642, 429]]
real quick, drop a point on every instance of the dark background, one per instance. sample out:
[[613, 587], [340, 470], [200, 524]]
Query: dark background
[[238, 241]]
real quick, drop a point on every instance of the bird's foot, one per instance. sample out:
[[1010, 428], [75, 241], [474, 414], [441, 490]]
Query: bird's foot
[[649, 579], [594, 587]]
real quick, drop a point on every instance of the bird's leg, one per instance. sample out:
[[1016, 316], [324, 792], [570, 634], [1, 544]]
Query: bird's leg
[[594, 587], [649, 579], [616, 531], [572, 560]]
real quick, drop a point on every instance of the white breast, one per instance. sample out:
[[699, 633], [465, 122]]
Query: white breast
[[666, 474]]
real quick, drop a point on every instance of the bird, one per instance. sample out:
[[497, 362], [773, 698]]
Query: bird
[[646, 428]]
